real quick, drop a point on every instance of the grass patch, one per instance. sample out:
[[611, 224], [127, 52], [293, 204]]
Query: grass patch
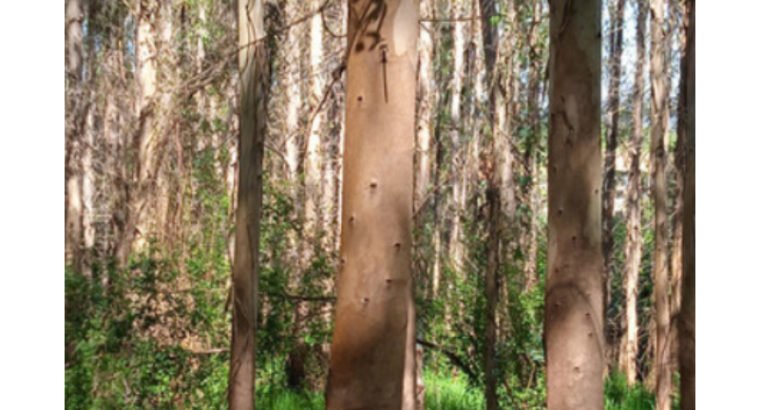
[[619, 396], [290, 400], [445, 393]]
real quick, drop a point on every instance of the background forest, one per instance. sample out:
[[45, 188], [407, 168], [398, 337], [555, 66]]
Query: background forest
[[152, 102]]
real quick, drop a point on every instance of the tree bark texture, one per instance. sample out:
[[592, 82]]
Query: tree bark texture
[[74, 131], [658, 159], [573, 312], [374, 283], [633, 242], [686, 326], [500, 174], [254, 74], [609, 190]]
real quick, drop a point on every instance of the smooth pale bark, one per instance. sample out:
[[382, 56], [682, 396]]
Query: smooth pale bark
[[159, 213], [147, 53], [313, 161], [426, 92], [135, 228], [88, 196], [292, 82], [427, 101], [686, 326], [253, 67], [301, 243], [74, 145], [573, 315], [374, 284], [609, 190], [658, 159], [633, 241], [326, 152], [456, 246]]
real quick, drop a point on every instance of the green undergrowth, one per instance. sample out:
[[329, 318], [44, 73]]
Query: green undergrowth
[[443, 392], [619, 396]]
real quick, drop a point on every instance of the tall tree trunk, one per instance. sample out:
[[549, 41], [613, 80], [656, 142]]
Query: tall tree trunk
[[146, 142], [609, 189], [312, 158], [686, 326], [74, 131], [374, 284], [633, 243], [253, 67], [676, 239], [414, 388], [658, 153], [456, 248], [426, 88], [409, 394], [574, 320], [88, 196], [301, 242], [529, 230], [500, 173]]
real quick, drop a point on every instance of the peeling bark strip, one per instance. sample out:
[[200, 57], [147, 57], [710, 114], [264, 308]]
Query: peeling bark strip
[[374, 284], [573, 315], [252, 64]]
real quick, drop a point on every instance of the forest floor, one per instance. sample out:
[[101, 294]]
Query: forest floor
[[446, 393]]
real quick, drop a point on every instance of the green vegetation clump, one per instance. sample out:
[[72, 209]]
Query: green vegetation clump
[[443, 392], [619, 396]]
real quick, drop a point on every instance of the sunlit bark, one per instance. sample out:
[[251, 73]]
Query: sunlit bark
[[370, 338], [658, 159], [573, 312]]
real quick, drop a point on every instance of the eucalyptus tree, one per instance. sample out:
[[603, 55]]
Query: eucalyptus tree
[[573, 306], [633, 241], [374, 285], [254, 73]]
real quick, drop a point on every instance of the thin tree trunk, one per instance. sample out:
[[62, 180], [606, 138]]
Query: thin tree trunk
[[409, 394], [658, 153], [313, 157], [146, 54], [529, 233], [574, 289], [609, 189], [88, 196], [74, 131], [456, 249], [676, 243], [374, 284], [301, 242], [426, 87], [501, 173], [413, 384], [686, 326], [253, 67], [633, 243]]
